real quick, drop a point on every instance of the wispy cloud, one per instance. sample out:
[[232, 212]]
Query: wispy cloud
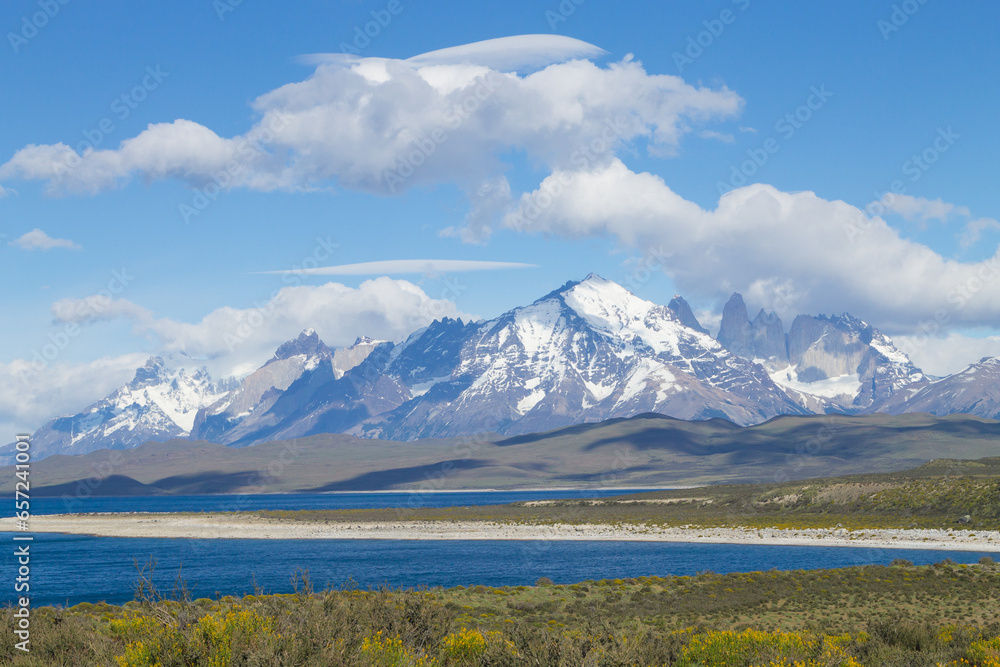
[[724, 137], [974, 229], [506, 54], [921, 208], [397, 266], [36, 239]]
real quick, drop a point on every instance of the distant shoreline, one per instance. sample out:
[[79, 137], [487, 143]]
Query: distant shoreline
[[420, 492], [246, 526], [561, 489]]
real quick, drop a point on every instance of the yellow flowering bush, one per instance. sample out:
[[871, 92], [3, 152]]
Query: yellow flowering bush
[[149, 641], [221, 637], [985, 653], [774, 649], [381, 650], [463, 647]]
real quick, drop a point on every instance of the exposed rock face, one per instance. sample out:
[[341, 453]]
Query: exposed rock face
[[586, 352], [821, 349], [734, 331], [346, 358], [803, 333], [762, 340], [307, 344], [824, 363], [768, 336], [685, 315], [259, 390], [250, 409]]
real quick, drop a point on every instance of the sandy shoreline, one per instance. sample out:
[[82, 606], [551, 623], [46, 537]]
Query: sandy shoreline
[[253, 527]]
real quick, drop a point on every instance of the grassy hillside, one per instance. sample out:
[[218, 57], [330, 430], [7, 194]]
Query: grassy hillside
[[872, 615], [644, 451], [943, 493]]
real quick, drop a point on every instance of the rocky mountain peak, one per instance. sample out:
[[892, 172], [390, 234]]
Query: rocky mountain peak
[[158, 404], [308, 343], [152, 372], [684, 314], [762, 339], [734, 331], [365, 340], [985, 365], [591, 281], [974, 391], [588, 351], [853, 325], [768, 339]]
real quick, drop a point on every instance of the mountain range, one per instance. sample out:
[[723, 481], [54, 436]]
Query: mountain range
[[587, 352]]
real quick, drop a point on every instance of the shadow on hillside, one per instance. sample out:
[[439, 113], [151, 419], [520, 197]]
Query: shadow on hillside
[[385, 479], [210, 481]]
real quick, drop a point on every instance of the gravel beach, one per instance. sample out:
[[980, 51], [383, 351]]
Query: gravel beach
[[240, 526]]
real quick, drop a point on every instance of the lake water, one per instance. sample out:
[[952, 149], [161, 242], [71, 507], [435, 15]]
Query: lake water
[[68, 569], [302, 501]]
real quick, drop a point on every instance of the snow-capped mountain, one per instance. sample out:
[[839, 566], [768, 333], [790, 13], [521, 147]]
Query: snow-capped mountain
[[974, 391], [223, 421], [588, 351], [260, 389], [824, 363], [158, 404]]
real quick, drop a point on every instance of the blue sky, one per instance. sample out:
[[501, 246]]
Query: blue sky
[[118, 271]]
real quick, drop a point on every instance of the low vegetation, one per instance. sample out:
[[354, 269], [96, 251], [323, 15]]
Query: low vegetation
[[945, 614], [942, 494]]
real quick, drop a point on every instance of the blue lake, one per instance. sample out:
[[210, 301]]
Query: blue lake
[[67, 569], [302, 501]]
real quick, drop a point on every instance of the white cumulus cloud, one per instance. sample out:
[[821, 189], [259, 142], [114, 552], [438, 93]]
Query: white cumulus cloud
[[236, 341], [794, 252], [36, 239], [31, 394], [383, 125], [948, 354]]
